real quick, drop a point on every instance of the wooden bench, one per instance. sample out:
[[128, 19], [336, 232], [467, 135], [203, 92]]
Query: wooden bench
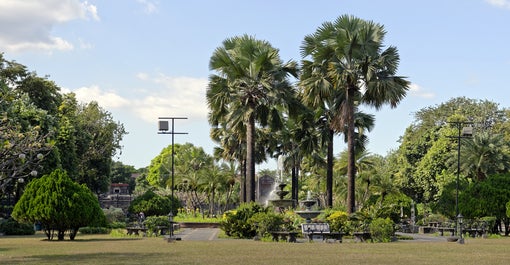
[[284, 235], [441, 230], [136, 231], [321, 230], [362, 236]]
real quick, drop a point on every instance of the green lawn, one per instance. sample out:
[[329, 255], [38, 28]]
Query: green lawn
[[96, 249]]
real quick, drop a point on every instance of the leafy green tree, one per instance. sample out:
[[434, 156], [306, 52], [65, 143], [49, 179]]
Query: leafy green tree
[[349, 67], [487, 198], [249, 87], [58, 203], [98, 140], [122, 174], [152, 204], [426, 163]]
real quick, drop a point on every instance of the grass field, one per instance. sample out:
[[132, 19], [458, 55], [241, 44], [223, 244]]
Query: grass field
[[103, 249]]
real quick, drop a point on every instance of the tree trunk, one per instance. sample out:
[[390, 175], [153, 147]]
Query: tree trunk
[[250, 159], [351, 168], [329, 172]]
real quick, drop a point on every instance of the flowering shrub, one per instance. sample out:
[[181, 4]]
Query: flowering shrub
[[337, 220], [235, 223]]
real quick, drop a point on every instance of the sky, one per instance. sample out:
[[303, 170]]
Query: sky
[[145, 59]]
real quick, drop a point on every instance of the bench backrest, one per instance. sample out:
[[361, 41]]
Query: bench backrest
[[315, 228]]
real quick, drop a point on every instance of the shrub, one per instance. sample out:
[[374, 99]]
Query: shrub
[[12, 227], [265, 222], [337, 220], [382, 230], [94, 230], [152, 223], [113, 214], [235, 223]]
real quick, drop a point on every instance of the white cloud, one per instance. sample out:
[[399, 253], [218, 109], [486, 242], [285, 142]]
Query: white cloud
[[106, 99], [27, 25], [162, 96], [175, 96], [499, 3], [149, 6], [416, 91]]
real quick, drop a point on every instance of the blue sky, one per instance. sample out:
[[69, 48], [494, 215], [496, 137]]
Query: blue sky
[[142, 59]]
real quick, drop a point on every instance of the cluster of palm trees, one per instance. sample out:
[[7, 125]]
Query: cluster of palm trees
[[257, 110]]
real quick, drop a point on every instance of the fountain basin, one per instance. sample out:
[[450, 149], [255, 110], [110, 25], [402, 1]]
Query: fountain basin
[[308, 215], [281, 203]]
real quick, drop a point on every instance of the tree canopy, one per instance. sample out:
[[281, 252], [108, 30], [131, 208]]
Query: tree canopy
[[58, 203]]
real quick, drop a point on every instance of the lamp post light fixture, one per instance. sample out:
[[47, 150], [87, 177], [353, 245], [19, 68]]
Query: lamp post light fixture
[[164, 129], [459, 221], [463, 132]]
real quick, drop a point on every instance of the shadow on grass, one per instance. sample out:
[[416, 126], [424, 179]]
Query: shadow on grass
[[96, 258], [95, 239]]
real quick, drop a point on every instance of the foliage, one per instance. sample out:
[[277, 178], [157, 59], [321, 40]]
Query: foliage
[[382, 229], [508, 209], [12, 227], [427, 157], [60, 204], [235, 222], [337, 220], [113, 214], [249, 89], [151, 203], [94, 230], [345, 66], [152, 223], [265, 222]]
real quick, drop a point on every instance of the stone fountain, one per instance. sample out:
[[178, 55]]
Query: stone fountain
[[308, 214], [280, 202]]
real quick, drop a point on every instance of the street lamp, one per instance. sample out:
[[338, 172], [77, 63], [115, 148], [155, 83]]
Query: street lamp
[[463, 132], [163, 129], [459, 220]]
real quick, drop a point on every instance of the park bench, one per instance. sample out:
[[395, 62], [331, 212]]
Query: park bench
[[136, 231], [441, 230], [289, 236], [320, 230], [361, 236]]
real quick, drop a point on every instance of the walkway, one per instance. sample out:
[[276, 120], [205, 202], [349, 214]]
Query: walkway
[[208, 234]]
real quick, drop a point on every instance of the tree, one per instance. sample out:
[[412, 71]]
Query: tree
[[98, 139], [487, 198], [153, 204], [249, 85], [485, 154], [58, 203], [352, 69]]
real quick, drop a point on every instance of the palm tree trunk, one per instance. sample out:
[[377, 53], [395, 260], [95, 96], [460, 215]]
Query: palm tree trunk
[[329, 173], [351, 167], [250, 159]]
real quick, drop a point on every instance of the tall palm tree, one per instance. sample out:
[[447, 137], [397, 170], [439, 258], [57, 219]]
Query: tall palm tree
[[348, 67], [249, 84]]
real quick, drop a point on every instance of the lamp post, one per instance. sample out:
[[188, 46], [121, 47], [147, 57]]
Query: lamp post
[[459, 220], [463, 132], [163, 129]]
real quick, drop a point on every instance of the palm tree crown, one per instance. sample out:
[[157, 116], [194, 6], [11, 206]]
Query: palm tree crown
[[248, 88], [345, 66]]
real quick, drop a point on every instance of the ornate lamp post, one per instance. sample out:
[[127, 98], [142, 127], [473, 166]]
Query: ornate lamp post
[[163, 129], [459, 220]]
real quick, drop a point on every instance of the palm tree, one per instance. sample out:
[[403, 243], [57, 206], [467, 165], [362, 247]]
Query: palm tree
[[348, 67], [484, 155], [249, 85]]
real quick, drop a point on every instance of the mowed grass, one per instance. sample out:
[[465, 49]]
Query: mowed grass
[[103, 249]]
